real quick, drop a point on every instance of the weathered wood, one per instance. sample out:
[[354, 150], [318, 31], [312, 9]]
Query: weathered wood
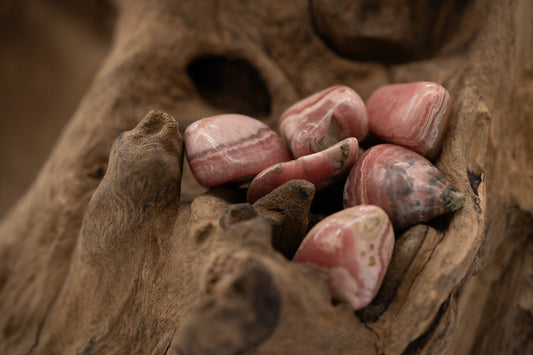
[[104, 254]]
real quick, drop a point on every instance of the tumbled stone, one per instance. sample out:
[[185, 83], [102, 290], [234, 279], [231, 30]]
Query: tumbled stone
[[405, 184], [353, 248], [324, 119], [413, 115], [231, 147], [321, 169]]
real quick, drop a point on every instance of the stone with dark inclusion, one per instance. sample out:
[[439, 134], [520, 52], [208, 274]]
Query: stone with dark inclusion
[[324, 119], [405, 184]]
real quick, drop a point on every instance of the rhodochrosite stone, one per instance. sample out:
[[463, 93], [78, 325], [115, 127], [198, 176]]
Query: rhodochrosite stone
[[323, 119], [231, 147], [413, 115], [353, 248], [405, 184], [321, 169]]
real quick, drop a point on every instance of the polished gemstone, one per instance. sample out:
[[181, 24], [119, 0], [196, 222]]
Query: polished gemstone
[[324, 119], [405, 184], [353, 248], [321, 169], [413, 115], [231, 147]]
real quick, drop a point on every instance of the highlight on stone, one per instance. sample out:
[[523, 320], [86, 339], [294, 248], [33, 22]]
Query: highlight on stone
[[231, 147], [321, 169], [405, 184], [323, 119], [353, 248], [413, 115]]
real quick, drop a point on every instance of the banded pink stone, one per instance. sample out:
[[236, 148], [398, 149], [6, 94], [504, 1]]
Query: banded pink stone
[[405, 184], [231, 147], [320, 168], [413, 115], [323, 119], [353, 248]]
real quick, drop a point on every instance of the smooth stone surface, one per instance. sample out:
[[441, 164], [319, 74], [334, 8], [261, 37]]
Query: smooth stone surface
[[231, 147], [353, 248], [413, 115], [405, 184], [321, 169], [324, 119]]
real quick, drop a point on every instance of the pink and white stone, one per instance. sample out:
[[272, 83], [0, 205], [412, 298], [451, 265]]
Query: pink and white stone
[[405, 184], [353, 248], [231, 147], [321, 169], [413, 115], [323, 119]]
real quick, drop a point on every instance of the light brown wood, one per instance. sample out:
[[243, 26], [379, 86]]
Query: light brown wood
[[110, 250]]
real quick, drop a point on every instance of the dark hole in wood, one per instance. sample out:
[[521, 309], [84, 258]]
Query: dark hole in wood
[[230, 84]]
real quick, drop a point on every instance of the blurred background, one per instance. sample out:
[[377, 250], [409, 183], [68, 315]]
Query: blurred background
[[50, 51]]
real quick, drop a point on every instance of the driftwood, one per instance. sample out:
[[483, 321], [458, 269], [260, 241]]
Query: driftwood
[[106, 253]]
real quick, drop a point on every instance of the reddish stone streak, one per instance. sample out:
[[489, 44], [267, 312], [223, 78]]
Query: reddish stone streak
[[232, 147], [262, 135], [384, 254], [344, 255], [300, 106], [321, 120], [345, 113], [318, 168], [309, 130], [413, 115], [234, 164], [342, 245]]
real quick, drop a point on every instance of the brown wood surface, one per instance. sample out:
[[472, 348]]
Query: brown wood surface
[[110, 250]]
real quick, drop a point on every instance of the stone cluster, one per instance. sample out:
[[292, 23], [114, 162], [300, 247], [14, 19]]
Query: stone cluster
[[389, 186]]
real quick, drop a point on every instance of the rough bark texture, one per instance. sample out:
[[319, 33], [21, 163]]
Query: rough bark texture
[[109, 251]]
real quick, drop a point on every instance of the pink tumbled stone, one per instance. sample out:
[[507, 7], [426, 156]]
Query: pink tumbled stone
[[413, 115], [231, 147], [320, 168], [323, 119], [353, 248], [405, 184]]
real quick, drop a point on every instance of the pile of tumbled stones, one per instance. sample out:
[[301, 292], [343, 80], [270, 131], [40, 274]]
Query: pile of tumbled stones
[[388, 186]]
